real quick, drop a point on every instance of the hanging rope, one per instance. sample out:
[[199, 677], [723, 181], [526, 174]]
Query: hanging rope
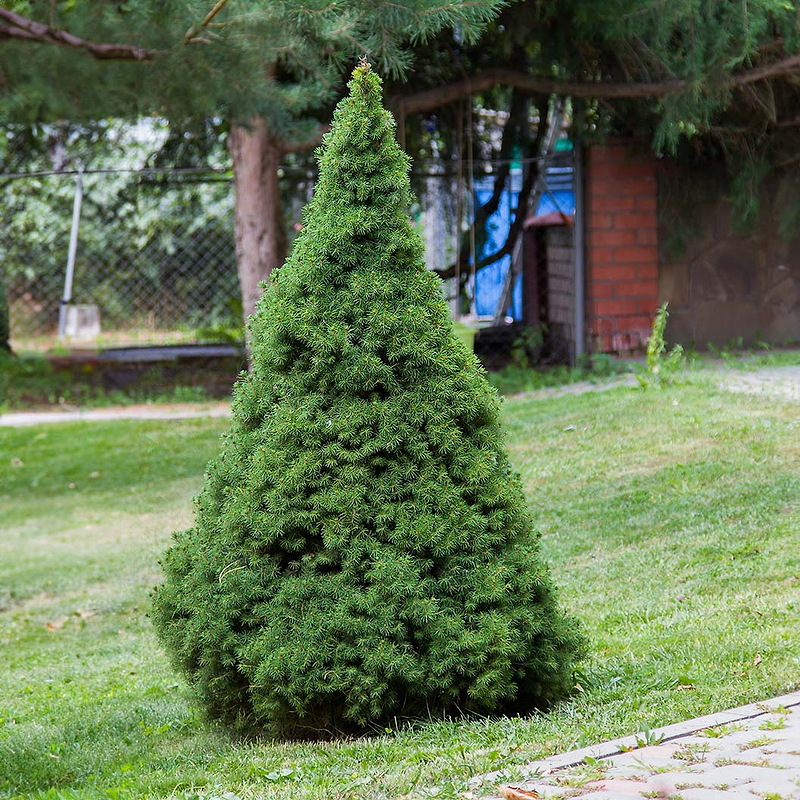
[[459, 207], [471, 168]]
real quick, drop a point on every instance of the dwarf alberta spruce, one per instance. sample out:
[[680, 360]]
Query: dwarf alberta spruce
[[361, 550]]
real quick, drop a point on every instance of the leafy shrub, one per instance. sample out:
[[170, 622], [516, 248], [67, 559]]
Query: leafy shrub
[[361, 549], [526, 347], [660, 369], [592, 367]]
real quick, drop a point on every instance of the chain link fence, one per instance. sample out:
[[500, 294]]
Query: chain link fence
[[154, 254]]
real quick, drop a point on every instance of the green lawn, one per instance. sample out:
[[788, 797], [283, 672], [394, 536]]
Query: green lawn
[[671, 519]]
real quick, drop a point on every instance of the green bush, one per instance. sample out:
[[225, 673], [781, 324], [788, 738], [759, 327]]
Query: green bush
[[662, 368], [361, 551]]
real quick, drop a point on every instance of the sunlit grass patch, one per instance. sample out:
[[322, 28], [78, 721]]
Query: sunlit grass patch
[[671, 520]]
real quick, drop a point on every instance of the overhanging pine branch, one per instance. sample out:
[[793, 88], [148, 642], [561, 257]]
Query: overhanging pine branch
[[18, 27], [442, 95]]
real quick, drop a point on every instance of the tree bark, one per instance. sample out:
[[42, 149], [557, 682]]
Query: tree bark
[[15, 26], [259, 226], [601, 89]]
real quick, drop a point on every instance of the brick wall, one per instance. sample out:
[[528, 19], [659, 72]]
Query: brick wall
[[621, 247]]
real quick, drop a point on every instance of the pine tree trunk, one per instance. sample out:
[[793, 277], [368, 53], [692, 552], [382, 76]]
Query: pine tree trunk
[[5, 322], [259, 227]]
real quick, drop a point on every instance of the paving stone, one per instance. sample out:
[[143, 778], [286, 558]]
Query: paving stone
[[782, 760], [758, 758], [789, 746], [716, 794], [627, 771], [791, 773], [620, 785], [773, 785], [668, 783], [548, 789], [656, 763], [726, 767], [725, 749], [699, 741], [655, 751], [741, 738], [737, 774], [627, 760], [759, 742]]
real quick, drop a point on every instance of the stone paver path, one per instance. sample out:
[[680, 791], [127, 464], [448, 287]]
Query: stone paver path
[[747, 753]]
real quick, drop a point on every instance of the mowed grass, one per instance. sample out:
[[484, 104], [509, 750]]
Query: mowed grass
[[671, 520]]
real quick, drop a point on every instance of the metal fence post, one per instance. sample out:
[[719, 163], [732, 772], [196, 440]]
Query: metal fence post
[[578, 249], [73, 247]]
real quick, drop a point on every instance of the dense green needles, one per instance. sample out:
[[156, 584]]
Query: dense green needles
[[361, 549]]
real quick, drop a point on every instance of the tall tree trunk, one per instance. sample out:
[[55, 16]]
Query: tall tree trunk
[[5, 322], [259, 226]]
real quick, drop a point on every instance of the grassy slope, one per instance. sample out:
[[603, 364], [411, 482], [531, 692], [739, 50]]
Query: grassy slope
[[672, 520]]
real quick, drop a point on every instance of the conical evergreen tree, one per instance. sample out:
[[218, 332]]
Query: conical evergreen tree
[[361, 548]]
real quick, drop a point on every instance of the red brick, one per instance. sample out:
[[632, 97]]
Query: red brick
[[610, 203], [649, 305], [612, 238], [627, 341], [647, 236], [600, 255], [599, 154], [632, 255], [601, 221], [620, 342], [614, 152], [620, 170], [605, 325], [601, 290], [636, 289], [614, 272], [599, 169], [639, 323], [646, 202], [603, 187], [602, 344], [609, 308], [635, 186], [641, 219]]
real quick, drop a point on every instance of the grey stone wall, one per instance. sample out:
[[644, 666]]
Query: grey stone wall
[[727, 284]]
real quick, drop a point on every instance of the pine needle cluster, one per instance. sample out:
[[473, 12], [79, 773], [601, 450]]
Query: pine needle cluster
[[361, 550]]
